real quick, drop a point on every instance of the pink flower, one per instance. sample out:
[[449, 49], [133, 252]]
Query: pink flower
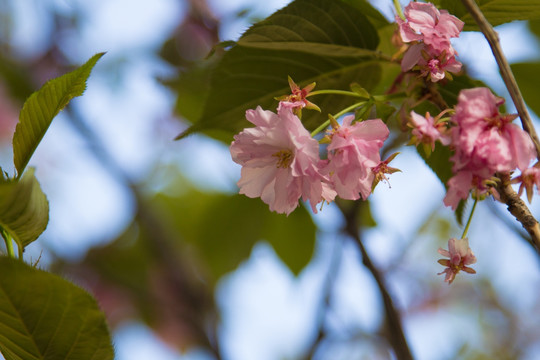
[[529, 178], [483, 138], [485, 142], [280, 161], [427, 131], [424, 22], [460, 255], [352, 153], [430, 31], [463, 182]]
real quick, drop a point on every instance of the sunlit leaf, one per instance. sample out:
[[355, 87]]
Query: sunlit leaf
[[42, 106], [303, 41], [497, 12], [24, 209], [43, 316]]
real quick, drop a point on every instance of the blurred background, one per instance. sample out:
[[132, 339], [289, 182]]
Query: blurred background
[[186, 269]]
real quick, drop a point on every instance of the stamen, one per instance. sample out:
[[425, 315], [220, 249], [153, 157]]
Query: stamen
[[285, 158]]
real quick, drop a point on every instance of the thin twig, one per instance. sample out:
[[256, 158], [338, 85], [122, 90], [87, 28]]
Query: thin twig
[[396, 336], [493, 39]]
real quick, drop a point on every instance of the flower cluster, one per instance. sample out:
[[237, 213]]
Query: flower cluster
[[484, 142], [281, 164], [429, 31]]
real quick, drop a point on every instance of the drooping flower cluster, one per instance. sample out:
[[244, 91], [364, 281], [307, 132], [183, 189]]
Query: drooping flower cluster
[[484, 142], [429, 31], [459, 255], [281, 164]]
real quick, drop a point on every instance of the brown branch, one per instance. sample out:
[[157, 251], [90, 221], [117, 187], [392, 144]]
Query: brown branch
[[493, 39], [518, 208], [396, 336]]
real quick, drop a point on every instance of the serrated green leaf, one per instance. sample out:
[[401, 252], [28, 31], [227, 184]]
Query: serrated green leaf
[[302, 40], [44, 317], [497, 12], [42, 106], [528, 77], [24, 209]]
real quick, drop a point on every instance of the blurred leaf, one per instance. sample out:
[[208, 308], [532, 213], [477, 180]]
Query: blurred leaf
[[42, 106], [237, 223], [439, 161], [46, 317], [534, 26], [24, 209], [497, 12], [528, 77], [460, 211], [302, 40], [16, 78]]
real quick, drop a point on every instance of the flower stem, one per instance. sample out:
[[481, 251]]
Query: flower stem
[[399, 11], [344, 111], [335, 92], [469, 220], [9, 243]]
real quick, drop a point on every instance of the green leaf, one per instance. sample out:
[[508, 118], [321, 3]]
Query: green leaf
[[43, 316], [534, 26], [238, 223], [497, 12], [24, 209], [372, 14], [42, 106], [528, 77], [302, 40], [438, 161]]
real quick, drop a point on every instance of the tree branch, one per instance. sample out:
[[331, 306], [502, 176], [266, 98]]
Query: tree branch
[[396, 336], [493, 39], [518, 208]]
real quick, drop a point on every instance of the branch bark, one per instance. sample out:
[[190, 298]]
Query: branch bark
[[518, 208]]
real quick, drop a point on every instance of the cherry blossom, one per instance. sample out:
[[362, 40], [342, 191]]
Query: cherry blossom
[[429, 31], [424, 22], [460, 255], [485, 142], [528, 179], [352, 153], [427, 130], [280, 161]]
